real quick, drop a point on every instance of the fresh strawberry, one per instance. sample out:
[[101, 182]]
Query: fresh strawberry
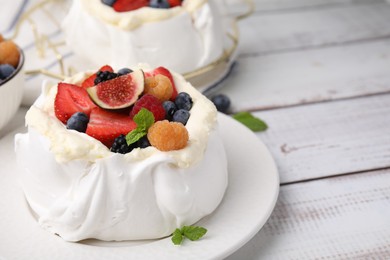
[[129, 5], [174, 3], [89, 82], [71, 99], [167, 73], [105, 126], [152, 104]]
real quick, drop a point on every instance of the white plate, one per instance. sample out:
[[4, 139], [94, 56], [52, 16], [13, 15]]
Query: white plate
[[249, 200]]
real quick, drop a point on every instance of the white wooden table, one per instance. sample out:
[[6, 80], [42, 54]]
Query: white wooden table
[[318, 72]]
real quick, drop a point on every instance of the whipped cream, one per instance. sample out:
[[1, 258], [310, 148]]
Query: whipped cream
[[182, 38], [82, 190]]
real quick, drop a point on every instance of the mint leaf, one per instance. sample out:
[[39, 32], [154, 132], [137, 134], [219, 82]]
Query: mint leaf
[[253, 123], [177, 237], [193, 233], [134, 136], [144, 119]]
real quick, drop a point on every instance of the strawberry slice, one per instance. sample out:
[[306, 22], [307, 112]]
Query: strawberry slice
[[129, 5], [71, 99], [167, 73], [90, 81], [174, 3], [105, 126]]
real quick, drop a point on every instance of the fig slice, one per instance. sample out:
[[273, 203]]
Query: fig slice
[[120, 92]]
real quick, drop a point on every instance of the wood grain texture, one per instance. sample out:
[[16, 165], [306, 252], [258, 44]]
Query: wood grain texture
[[282, 5], [320, 140], [338, 218], [302, 29], [309, 76]]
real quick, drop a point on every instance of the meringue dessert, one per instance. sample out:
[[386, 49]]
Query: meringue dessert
[[150, 162], [184, 38]]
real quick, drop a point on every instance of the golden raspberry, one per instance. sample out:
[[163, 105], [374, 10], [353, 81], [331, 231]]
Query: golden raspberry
[[168, 136], [159, 86], [9, 53]]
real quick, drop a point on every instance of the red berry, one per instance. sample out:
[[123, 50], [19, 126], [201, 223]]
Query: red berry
[[89, 82], [71, 99], [174, 3], [167, 73], [105, 126], [129, 5], [152, 104]]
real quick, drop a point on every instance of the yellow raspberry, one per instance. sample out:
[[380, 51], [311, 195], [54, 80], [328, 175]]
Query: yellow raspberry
[[159, 86], [168, 136]]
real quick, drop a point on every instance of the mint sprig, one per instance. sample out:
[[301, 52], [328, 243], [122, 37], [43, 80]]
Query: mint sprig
[[144, 119], [193, 233], [250, 121]]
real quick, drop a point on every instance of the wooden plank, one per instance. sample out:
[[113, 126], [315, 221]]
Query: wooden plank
[[330, 138], [282, 6], [302, 29], [338, 218], [301, 77]]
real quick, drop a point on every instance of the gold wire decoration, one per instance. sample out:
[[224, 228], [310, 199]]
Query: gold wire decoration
[[43, 43]]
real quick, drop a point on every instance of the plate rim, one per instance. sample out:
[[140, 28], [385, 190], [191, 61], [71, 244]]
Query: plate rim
[[165, 244]]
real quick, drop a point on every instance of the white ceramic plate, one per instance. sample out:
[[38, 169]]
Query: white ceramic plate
[[249, 200]]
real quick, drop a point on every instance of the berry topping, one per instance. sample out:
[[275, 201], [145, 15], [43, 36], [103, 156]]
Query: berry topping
[[152, 104], [167, 73], [221, 102], [120, 145], [6, 70], [90, 81], [129, 5], [143, 142], [159, 86], [174, 3], [159, 4], [183, 101], [181, 116], [168, 136], [106, 126], [120, 92], [78, 121], [102, 76], [170, 109], [108, 2], [71, 99], [9, 53], [124, 71]]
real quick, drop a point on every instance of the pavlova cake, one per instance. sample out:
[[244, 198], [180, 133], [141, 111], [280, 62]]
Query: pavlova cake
[[125, 155], [182, 35]]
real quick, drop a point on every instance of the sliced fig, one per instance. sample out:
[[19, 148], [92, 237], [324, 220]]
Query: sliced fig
[[120, 92]]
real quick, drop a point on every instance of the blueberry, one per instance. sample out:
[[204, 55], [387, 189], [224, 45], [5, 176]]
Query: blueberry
[[143, 142], [183, 101], [159, 4], [124, 71], [170, 109], [6, 70], [222, 102], [109, 2], [78, 121], [181, 116]]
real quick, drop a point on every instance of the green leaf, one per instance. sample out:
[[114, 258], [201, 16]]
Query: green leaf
[[135, 135], [253, 123], [177, 237], [193, 233], [144, 119]]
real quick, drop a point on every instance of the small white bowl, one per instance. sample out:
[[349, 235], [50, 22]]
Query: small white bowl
[[11, 92]]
